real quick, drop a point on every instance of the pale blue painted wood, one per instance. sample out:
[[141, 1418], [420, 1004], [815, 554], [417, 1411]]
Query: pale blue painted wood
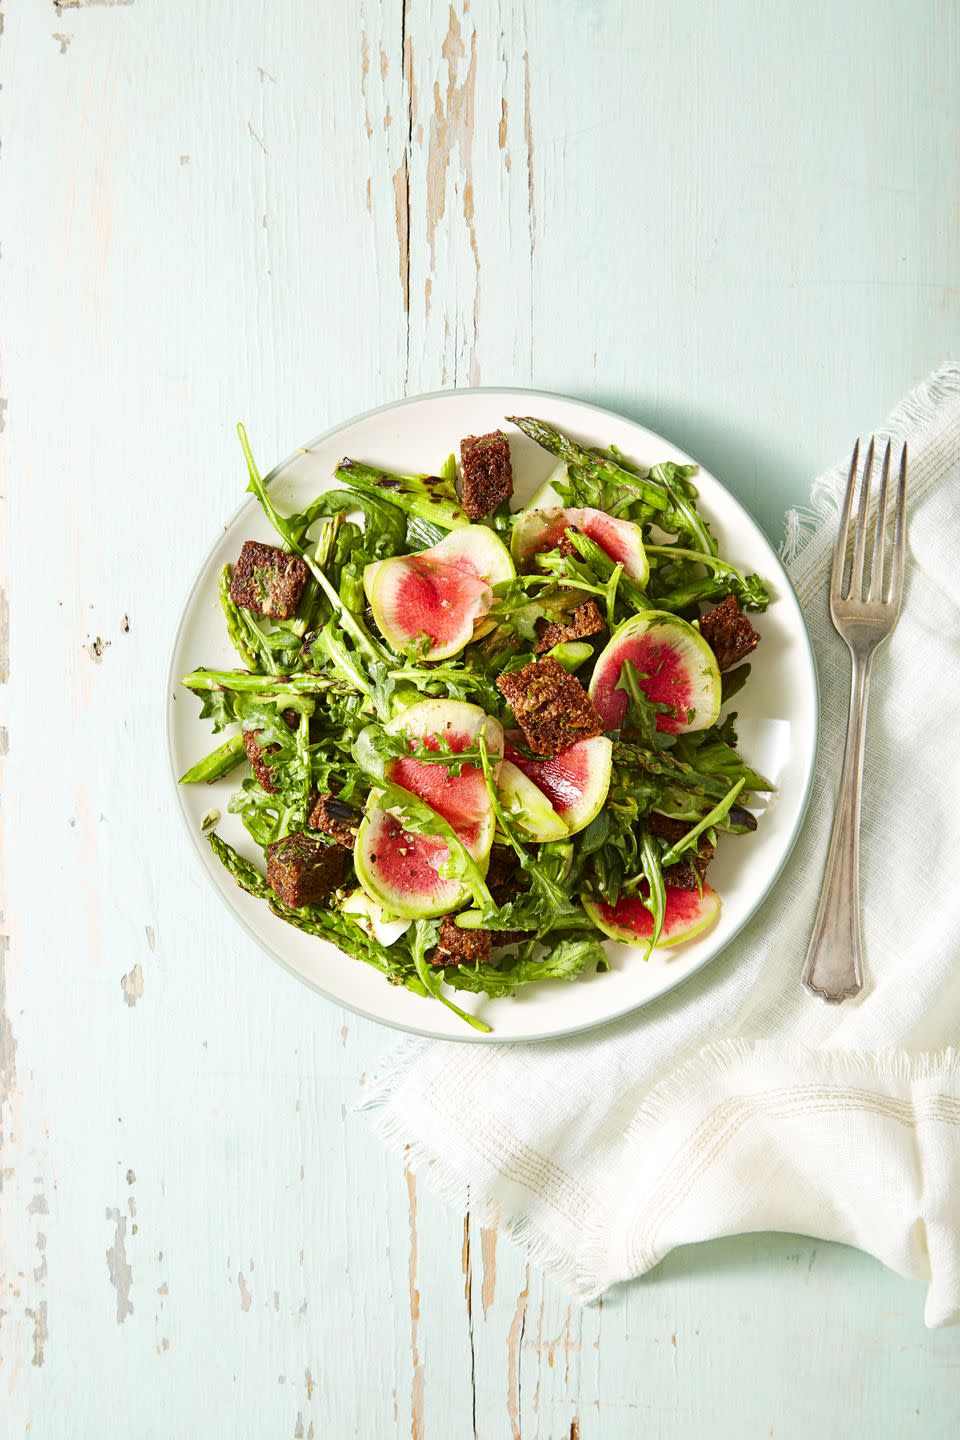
[[736, 223]]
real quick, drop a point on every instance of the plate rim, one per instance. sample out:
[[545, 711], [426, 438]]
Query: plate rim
[[474, 1037]]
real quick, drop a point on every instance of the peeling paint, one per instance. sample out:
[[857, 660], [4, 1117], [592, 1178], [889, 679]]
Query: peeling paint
[[309, 1382], [256, 137], [514, 1342], [416, 1391], [246, 1295], [38, 1206], [96, 648], [184, 159], [40, 1332], [63, 41], [132, 985], [401, 197], [61, 5], [364, 72], [528, 141], [4, 637], [488, 1255], [151, 937], [118, 1268], [125, 625], [40, 1271], [452, 127]]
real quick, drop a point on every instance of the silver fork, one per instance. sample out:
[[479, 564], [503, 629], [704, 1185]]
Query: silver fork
[[864, 612]]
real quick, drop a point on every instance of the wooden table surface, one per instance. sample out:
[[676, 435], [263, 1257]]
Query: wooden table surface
[[737, 223]]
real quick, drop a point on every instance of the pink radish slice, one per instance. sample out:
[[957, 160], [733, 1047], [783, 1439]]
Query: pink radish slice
[[435, 598], [687, 913], [674, 666], [575, 782], [537, 530]]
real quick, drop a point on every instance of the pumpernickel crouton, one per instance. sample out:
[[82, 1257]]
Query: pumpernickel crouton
[[301, 870], [552, 708], [268, 581], [256, 751], [585, 620], [689, 871], [729, 633], [335, 818], [460, 947], [470, 947], [255, 754], [487, 473]]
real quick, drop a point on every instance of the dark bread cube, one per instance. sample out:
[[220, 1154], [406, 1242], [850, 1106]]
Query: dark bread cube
[[486, 472], [268, 581], [585, 620], [459, 947], [301, 871], [552, 708], [690, 870], [255, 753], [729, 633], [335, 818]]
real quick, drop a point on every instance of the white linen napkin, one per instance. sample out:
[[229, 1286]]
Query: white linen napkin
[[739, 1102]]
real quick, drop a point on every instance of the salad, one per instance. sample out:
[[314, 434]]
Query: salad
[[480, 742]]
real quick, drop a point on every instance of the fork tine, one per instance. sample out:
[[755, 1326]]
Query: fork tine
[[895, 588], [840, 549], [860, 534], [876, 562]]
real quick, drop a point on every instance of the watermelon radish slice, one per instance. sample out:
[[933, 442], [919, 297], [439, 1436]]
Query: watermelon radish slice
[[526, 805], [430, 602], [574, 783], [400, 869], [674, 664], [461, 799], [536, 530], [687, 914]]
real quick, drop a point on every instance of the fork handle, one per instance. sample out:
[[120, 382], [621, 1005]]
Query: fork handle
[[833, 969]]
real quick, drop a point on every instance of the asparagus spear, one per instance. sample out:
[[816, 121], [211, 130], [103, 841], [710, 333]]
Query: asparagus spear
[[600, 471], [217, 764], [247, 876], [431, 497], [302, 683]]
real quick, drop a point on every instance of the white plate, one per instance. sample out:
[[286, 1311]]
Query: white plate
[[777, 726]]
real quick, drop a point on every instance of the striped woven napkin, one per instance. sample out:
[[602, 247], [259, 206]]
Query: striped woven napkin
[[738, 1102]]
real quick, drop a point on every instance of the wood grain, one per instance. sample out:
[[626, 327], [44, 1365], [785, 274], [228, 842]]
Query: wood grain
[[737, 224]]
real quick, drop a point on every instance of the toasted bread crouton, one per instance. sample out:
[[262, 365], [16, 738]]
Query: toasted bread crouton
[[255, 753], [301, 870], [552, 708], [689, 871], [268, 581], [336, 818], [487, 473], [729, 633], [585, 620], [460, 947]]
